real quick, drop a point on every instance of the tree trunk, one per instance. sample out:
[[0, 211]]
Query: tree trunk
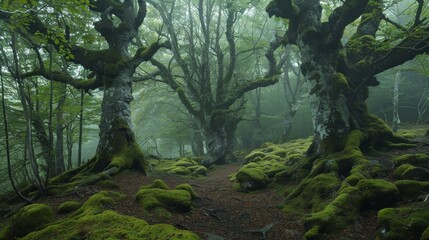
[[395, 116], [197, 142], [59, 148], [117, 146]]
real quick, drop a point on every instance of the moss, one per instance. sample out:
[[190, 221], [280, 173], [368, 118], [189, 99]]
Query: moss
[[251, 178], [187, 187], [30, 218], [99, 201], [77, 181], [157, 183], [377, 193], [401, 169], [157, 195], [108, 225], [68, 207], [337, 214], [313, 193], [108, 184], [419, 159], [177, 200], [416, 173], [402, 223], [184, 166], [411, 189], [124, 152]]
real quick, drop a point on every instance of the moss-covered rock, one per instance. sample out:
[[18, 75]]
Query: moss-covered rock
[[68, 207], [411, 189], [377, 193], [28, 219], [402, 223], [251, 178], [108, 225], [184, 166], [419, 159], [156, 196], [187, 187], [91, 221]]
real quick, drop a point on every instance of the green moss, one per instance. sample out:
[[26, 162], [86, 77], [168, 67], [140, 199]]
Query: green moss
[[99, 201], [124, 152], [411, 189], [92, 222], [108, 184], [401, 169], [30, 218], [178, 200], [337, 214], [315, 192], [187, 187], [68, 207], [184, 166], [108, 225], [251, 178], [77, 181], [402, 223], [419, 159], [416, 173], [157, 195], [377, 193], [157, 183]]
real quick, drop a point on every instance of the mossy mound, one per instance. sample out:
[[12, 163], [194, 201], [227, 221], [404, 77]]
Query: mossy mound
[[182, 166], [68, 207], [158, 198], [419, 159], [28, 219], [377, 193], [411, 189], [251, 178], [403, 223], [412, 167], [91, 221], [273, 162]]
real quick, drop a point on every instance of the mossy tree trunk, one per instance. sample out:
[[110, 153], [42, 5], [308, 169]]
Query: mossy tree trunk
[[111, 69], [339, 76]]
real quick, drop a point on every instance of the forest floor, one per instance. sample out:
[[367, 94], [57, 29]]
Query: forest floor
[[222, 212]]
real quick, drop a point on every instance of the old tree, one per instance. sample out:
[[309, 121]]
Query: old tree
[[339, 74]]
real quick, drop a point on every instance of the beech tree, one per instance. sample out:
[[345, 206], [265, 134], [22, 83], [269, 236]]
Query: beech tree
[[206, 82], [112, 68], [339, 73]]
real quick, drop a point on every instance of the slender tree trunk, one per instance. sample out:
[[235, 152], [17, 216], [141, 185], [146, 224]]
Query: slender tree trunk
[[79, 147], [7, 145], [197, 141], [395, 117], [59, 148]]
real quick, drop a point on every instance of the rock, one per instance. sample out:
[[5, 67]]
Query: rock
[[251, 178], [30, 218], [402, 223]]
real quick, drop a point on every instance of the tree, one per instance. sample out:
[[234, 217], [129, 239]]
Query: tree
[[339, 76], [111, 68], [205, 77]]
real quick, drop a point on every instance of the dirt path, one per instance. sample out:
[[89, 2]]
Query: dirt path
[[221, 211]]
